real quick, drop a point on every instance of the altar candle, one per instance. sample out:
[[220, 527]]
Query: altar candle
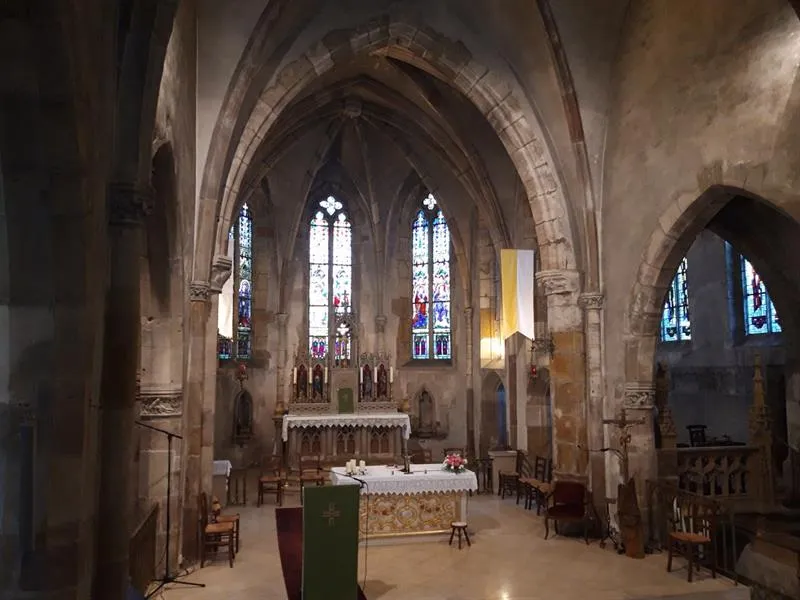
[[362, 464], [326, 374], [391, 374], [360, 376], [294, 376], [375, 375]]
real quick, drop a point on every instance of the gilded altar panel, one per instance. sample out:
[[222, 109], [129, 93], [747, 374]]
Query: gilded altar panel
[[389, 515]]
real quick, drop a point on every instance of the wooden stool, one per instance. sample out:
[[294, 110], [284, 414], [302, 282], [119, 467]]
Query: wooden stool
[[459, 527]]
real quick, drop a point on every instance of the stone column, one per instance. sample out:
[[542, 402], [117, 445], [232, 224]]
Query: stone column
[[592, 306], [638, 402], [126, 210], [281, 401], [567, 372], [199, 304], [380, 328], [470, 392]]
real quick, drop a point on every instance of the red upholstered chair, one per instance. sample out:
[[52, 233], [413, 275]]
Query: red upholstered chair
[[568, 501]]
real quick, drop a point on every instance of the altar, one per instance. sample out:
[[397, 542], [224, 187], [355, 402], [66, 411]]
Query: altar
[[395, 504], [337, 437]]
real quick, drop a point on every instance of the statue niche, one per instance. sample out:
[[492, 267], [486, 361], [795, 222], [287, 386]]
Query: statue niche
[[366, 384], [242, 417], [424, 423], [301, 385]]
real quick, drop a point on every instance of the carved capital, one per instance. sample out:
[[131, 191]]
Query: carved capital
[[543, 345], [282, 318], [199, 291], [221, 270], [380, 323], [468, 314], [127, 204], [558, 281], [591, 301], [160, 405], [639, 395], [353, 108]]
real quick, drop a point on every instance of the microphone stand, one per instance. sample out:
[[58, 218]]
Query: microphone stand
[[168, 577]]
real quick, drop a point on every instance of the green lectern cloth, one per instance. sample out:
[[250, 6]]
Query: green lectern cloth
[[345, 399], [330, 542]]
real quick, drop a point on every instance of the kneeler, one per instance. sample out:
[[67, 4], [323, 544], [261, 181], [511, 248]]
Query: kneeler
[[289, 523]]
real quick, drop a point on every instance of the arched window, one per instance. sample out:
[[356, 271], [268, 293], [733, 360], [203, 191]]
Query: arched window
[[330, 279], [236, 298], [430, 283], [760, 315], [675, 323]]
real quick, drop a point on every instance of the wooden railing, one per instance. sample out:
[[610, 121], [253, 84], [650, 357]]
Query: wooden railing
[[142, 551], [721, 472]]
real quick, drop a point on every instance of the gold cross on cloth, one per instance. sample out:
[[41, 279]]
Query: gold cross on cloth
[[331, 514]]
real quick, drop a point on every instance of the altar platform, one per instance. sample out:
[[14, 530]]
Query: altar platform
[[395, 505]]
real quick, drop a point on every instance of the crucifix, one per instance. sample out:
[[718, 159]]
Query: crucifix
[[624, 425], [628, 513], [332, 513]]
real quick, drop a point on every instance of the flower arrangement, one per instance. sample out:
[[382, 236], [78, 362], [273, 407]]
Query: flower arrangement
[[454, 463]]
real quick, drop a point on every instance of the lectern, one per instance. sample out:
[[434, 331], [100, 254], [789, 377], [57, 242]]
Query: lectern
[[318, 545]]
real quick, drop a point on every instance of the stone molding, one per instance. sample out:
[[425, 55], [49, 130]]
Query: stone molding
[[591, 301], [128, 204], [639, 395], [543, 345], [468, 314], [155, 404], [558, 282], [221, 270], [199, 291], [353, 108], [282, 318]]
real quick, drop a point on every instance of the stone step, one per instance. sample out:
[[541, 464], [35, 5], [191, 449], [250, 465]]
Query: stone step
[[740, 592]]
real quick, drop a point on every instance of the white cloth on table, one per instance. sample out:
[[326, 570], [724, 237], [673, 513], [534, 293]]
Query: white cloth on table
[[387, 419], [379, 480], [222, 467]]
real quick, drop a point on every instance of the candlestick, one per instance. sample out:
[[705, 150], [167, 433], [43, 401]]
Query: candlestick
[[391, 374], [375, 376], [360, 376], [294, 375]]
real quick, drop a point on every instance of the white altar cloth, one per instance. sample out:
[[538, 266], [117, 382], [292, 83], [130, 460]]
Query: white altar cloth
[[380, 480], [387, 419], [222, 467]]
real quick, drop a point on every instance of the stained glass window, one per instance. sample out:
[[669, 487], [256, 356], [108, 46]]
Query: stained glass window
[[430, 283], [676, 325], [760, 315], [236, 299], [330, 279]]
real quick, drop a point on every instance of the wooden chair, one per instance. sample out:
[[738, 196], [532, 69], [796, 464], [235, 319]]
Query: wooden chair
[[569, 501], [213, 535], [509, 480], [310, 472], [271, 480], [692, 534], [697, 435], [232, 518], [537, 487]]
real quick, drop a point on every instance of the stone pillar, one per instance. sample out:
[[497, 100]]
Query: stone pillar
[[380, 328], [592, 306], [199, 295], [666, 448], [470, 392], [760, 424], [638, 403], [126, 209], [567, 372], [281, 401]]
